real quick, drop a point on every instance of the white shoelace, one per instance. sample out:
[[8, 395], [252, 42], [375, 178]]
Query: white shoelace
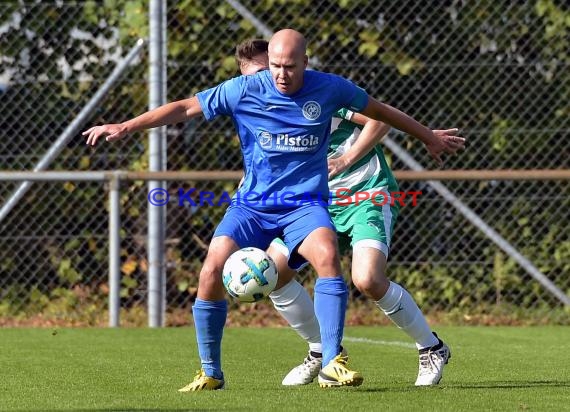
[[428, 361], [309, 363]]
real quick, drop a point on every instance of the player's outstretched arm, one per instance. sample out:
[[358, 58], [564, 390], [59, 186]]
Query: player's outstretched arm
[[436, 144], [175, 112], [370, 136]]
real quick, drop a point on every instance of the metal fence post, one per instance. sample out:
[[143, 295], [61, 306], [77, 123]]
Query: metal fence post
[[114, 251], [157, 143]]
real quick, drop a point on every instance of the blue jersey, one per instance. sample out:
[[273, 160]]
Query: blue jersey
[[284, 138]]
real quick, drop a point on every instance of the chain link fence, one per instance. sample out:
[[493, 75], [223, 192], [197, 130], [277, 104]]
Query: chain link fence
[[498, 70]]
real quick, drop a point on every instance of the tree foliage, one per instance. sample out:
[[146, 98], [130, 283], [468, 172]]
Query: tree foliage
[[498, 70]]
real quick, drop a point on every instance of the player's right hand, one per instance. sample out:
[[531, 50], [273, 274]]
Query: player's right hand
[[337, 166], [111, 132]]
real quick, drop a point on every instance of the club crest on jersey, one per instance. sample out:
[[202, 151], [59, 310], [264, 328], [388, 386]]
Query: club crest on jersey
[[311, 110], [265, 139]]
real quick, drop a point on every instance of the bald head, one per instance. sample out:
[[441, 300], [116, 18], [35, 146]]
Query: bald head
[[288, 41], [288, 59]]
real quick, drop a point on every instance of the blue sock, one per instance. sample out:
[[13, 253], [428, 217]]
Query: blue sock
[[209, 321], [331, 296]]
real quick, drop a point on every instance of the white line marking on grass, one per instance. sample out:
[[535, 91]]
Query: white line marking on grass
[[380, 342]]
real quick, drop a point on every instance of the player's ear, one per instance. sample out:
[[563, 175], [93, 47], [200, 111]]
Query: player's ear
[[305, 61]]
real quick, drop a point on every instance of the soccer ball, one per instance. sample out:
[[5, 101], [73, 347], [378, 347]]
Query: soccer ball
[[249, 275]]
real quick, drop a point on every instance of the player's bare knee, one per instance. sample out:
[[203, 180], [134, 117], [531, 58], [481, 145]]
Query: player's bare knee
[[210, 277], [371, 286], [325, 259]]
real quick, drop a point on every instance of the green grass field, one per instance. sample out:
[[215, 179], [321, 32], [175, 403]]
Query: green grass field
[[492, 368]]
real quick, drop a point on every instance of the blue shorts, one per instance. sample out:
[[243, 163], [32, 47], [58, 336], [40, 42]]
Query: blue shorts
[[253, 228]]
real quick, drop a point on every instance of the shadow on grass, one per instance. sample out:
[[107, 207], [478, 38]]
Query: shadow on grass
[[511, 384], [477, 385]]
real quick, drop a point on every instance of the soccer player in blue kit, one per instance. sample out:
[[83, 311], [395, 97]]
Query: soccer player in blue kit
[[356, 163], [283, 120]]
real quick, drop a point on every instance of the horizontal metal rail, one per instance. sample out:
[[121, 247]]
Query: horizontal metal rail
[[103, 175]]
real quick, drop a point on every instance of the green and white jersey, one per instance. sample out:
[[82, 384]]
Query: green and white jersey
[[364, 223], [370, 174]]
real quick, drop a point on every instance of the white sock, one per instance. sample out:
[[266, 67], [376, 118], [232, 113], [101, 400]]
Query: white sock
[[295, 305], [400, 307]]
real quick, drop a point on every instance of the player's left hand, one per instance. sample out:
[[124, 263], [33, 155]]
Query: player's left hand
[[337, 166], [447, 142], [451, 142]]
